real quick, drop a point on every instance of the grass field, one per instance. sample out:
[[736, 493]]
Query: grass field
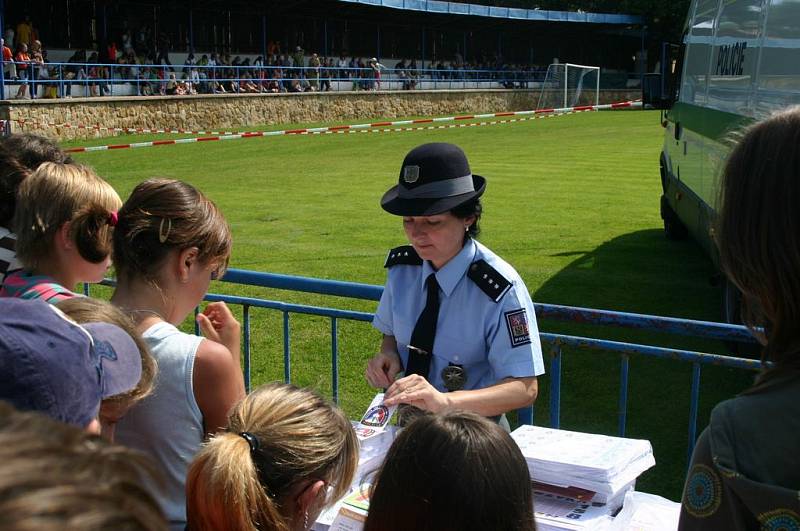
[[571, 202]]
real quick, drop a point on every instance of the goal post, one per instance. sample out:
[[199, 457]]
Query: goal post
[[569, 85]]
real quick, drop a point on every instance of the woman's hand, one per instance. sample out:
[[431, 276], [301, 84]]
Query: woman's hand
[[382, 369], [218, 324], [416, 391]]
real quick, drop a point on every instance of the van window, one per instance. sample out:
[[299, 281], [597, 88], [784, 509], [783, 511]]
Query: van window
[[735, 55], [779, 72], [698, 52]]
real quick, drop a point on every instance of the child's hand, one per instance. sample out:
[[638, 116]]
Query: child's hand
[[217, 323]]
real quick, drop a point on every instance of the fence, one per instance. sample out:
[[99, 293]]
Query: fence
[[552, 344], [100, 79]]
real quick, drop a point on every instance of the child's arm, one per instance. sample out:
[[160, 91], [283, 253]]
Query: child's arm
[[218, 379], [218, 384]]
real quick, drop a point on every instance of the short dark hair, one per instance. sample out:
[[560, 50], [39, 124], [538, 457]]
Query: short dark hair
[[20, 155], [473, 207], [455, 471], [32, 150], [758, 231]]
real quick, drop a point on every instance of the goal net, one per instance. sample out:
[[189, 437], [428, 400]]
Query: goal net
[[568, 85]]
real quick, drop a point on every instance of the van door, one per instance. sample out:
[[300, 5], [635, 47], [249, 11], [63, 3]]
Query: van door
[[731, 83], [684, 141], [778, 82]]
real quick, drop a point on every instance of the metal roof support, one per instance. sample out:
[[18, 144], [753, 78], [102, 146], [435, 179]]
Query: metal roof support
[[191, 30], [422, 65], [263, 39], [2, 70]]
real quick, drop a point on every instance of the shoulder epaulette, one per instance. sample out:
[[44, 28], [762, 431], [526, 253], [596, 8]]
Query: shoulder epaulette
[[403, 255], [489, 280]]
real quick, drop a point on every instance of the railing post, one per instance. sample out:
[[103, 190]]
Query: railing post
[[622, 412], [246, 323], [335, 359], [287, 362], [196, 324], [32, 79], [555, 385], [693, 407]]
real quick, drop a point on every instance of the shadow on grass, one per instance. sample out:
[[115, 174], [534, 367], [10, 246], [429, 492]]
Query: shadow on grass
[[638, 272]]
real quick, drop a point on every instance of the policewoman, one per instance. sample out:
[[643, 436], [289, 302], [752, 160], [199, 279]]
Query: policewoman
[[459, 329]]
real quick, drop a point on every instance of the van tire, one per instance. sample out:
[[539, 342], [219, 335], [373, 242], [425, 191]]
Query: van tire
[[674, 229]]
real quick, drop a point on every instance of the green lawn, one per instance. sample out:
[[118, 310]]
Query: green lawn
[[572, 203]]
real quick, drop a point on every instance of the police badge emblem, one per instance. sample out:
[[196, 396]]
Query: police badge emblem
[[410, 174], [454, 377], [518, 329]]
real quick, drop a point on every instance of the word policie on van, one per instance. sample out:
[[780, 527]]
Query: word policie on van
[[730, 60]]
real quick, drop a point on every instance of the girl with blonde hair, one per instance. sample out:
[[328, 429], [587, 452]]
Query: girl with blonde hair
[[64, 220], [112, 409], [171, 241], [286, 455]]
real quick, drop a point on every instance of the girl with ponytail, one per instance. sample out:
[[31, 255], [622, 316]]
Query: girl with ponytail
[[287, 454], [64, 220]]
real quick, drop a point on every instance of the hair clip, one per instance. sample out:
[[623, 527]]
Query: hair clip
[[251, 439], [113, 218], [162, 236]]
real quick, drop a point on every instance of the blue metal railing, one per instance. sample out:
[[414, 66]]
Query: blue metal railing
[[552, 344], [555, 342], [102, 78]]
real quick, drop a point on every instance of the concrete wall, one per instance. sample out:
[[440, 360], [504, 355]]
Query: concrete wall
[[228, 111]]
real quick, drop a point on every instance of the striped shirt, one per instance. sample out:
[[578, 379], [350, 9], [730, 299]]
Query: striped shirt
[[8, 254], [25, 285]]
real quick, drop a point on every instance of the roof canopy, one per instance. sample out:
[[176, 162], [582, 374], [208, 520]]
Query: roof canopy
[[457, 8]]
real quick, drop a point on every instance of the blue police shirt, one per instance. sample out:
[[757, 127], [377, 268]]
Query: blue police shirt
[[490, 340]]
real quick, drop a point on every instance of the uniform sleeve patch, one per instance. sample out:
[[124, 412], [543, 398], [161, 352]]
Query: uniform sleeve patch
[[518, 330]]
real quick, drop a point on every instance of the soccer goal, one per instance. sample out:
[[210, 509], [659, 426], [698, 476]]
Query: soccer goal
[[568, 85]]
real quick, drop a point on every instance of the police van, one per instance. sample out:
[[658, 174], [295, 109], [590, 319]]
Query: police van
[[739, 60]]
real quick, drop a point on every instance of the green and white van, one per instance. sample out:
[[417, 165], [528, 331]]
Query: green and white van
[[738, 62]]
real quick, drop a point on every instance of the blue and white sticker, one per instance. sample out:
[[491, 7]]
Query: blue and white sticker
[[518, 330]]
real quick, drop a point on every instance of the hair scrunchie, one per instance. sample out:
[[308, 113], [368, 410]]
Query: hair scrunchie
[[251, 439]]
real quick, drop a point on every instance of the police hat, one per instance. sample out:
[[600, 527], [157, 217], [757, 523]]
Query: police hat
[[435, 178]]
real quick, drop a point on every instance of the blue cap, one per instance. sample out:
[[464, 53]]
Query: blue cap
[[50, 364]]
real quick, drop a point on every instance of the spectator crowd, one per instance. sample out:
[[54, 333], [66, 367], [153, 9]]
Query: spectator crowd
[[142, 61]]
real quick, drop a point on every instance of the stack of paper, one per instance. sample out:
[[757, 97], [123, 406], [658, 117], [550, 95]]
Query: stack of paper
[[553, 512], [647, 512], [580, 479], [599, 463], [372, 450], [375, 436]]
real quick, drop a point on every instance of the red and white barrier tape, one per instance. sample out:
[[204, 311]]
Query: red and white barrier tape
[[127, 130], [361, 127], [448, 126]]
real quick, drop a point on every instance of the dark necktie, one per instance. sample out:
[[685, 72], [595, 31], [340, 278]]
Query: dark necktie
[[421, 346]]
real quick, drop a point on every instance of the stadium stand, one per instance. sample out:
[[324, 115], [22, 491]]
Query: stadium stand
[[455, 45]]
